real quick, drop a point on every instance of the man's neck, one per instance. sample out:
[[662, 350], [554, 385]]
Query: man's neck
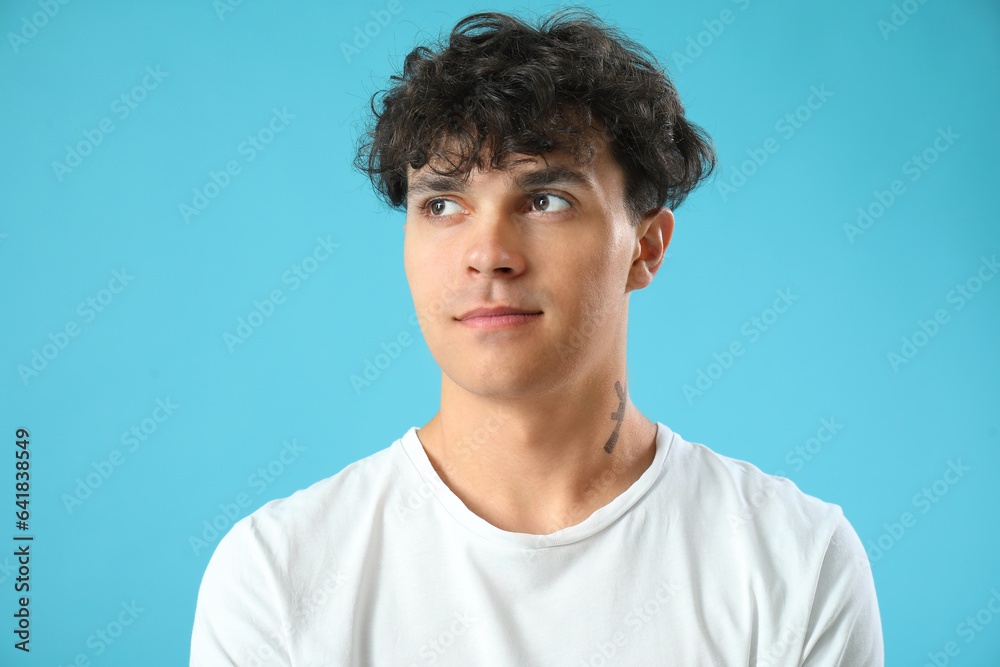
[[541, 464]]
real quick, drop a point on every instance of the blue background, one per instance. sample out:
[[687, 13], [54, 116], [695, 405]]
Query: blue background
[[782, 227]]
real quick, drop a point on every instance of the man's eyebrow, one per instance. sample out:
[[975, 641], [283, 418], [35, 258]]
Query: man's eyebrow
[[434, 184], [551, 176], [527, 180]]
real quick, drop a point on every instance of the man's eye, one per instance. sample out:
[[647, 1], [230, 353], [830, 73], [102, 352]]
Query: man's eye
[[443, 207], [550, 203]]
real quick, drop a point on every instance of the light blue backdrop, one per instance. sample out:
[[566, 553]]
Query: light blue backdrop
[[859, 148]]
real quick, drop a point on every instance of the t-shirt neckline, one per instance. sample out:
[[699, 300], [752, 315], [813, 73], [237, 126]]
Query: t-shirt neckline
[[596, 522]]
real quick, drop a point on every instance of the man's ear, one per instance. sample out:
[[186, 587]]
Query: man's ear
[[652, 238]]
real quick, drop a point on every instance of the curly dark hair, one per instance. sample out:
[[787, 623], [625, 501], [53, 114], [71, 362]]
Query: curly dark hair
[[499, 86]]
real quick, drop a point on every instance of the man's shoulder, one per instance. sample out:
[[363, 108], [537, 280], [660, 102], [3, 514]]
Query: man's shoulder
[[724, 487], [798, 554], [335, 505]]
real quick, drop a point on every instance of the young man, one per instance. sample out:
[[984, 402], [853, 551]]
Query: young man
[[538, 518]]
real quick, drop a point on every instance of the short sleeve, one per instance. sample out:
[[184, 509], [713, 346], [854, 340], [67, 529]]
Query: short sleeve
[[844, 627], [239, 617]]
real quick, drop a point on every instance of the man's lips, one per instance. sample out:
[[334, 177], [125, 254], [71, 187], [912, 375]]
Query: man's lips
[[497, 311], [499, 317]]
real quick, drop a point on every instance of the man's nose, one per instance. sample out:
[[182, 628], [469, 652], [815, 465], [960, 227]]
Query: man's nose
[[495, 243]]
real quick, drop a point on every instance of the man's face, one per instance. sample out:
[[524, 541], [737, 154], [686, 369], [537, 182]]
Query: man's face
[[554, 239]]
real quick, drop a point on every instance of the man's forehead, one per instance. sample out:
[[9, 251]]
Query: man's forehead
[[521, 170], [515, 167], [450, 148]]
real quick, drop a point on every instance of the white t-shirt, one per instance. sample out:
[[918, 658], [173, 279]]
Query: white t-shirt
[[704, 560]]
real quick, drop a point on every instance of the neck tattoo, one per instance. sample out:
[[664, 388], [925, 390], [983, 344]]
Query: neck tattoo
[[618, 415]]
